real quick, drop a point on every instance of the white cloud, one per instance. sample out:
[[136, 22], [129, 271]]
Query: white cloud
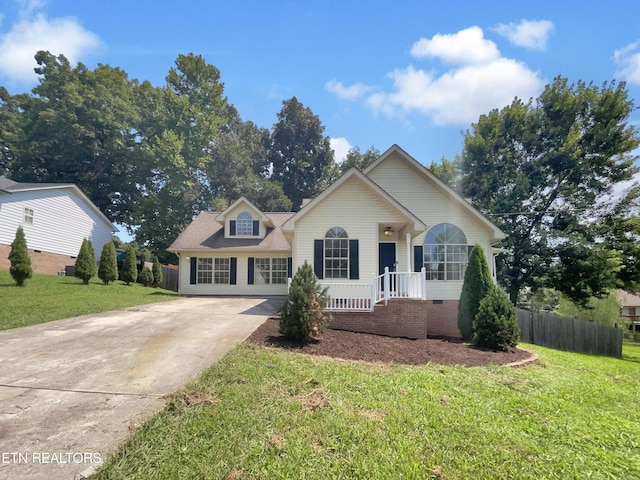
[[19, 45], [462, 48], [479, 81], [628, 60], [527, 33], [340, 148], [353, 92]]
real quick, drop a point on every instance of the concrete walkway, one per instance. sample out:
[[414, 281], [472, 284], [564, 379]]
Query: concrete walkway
[[72, 390]]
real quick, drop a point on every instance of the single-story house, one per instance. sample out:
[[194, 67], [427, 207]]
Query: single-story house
[[55, 217], [391, 243]]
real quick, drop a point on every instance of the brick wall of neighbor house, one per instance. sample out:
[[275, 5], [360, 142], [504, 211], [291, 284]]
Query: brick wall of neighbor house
[[403, 318], [41, 262]]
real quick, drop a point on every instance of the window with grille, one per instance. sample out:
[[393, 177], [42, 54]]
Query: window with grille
[[445, 252], [336, 253]]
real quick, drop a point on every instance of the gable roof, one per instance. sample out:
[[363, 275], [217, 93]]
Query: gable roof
[[418, 225], [439, 185], [9, 186], [249, 205], [206, 233]]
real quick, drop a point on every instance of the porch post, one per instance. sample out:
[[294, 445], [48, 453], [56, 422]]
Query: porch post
[[387, 286], [374, 287], [408, 237], [423, 282]]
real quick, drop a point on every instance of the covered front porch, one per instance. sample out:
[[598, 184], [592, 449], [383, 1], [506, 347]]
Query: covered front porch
[[363, 297]]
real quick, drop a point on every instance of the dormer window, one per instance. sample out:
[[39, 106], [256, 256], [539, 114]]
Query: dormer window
[[244, 224]]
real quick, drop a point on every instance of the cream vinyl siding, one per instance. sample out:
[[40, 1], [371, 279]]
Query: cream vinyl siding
[[356, 209], [433, 206], [241, 288], [61, 220]]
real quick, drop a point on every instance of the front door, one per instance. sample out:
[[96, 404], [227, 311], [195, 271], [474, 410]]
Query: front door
[[386, 257]]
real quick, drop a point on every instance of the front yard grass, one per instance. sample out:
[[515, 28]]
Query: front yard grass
[[262, 413], [44, 298]]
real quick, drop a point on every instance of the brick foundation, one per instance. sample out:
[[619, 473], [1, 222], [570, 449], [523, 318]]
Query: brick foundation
[[403, 318], [41, 262]]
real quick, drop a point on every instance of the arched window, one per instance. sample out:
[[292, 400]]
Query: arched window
[[336, 253], [445, 252], [244, 224]]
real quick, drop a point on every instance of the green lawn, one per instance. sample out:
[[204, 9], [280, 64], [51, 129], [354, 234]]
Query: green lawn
[[262, 413], [44, 298]]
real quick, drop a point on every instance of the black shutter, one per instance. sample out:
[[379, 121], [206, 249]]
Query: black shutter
[[256, 228], [418, 261], [289, 267], [232, 227], [354, 264], [250, 271], [318, 258], [192, 276], [234, 271]]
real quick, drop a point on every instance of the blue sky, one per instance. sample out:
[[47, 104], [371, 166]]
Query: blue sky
[[415, 73]]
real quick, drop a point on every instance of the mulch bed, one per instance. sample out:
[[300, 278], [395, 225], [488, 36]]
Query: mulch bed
[[376, 348]]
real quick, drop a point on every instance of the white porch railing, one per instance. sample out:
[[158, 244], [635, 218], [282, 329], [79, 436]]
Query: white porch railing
[[362, 297]]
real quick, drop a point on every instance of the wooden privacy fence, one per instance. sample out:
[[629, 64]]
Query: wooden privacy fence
[[169, 278], [571, 334]]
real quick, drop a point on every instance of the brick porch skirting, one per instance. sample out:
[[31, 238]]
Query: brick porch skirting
[[403, 318], [41, 262]]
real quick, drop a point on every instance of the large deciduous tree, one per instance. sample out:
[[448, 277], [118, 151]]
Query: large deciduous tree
[[300, 154], [180, 127], [542, 171], [78, 127]]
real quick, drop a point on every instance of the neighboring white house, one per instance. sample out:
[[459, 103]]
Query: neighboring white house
[[55, 217], [394, 217]]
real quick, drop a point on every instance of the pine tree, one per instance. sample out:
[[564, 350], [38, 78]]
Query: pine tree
[[129, 271], [496, 324], [85, 267], [108, 270], [19, 257], [302, 315], [477, 283], [156, 270]]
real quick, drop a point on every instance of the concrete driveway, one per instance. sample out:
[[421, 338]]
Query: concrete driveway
[[72, 390]]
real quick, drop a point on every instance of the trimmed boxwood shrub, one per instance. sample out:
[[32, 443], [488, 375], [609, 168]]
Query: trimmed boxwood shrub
[[146, 277]]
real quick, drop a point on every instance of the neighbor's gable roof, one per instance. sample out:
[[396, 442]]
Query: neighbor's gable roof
[[11, 187], [206, 233], [368, 183], [438, 185]]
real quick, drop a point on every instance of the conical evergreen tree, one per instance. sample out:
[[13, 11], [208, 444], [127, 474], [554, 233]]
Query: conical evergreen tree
[[108, 270], [477, 283], [85, 267], [129, 271], [496, 323], [302, 316], [156, 269], [19, 257]]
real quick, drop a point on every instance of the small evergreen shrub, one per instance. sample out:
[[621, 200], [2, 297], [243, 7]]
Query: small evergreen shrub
[[156, 270], [85, 267], [302, 315], [19, 258], [146, 277], [477, 283], [129, 271], [496, 323], [108, 269]]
